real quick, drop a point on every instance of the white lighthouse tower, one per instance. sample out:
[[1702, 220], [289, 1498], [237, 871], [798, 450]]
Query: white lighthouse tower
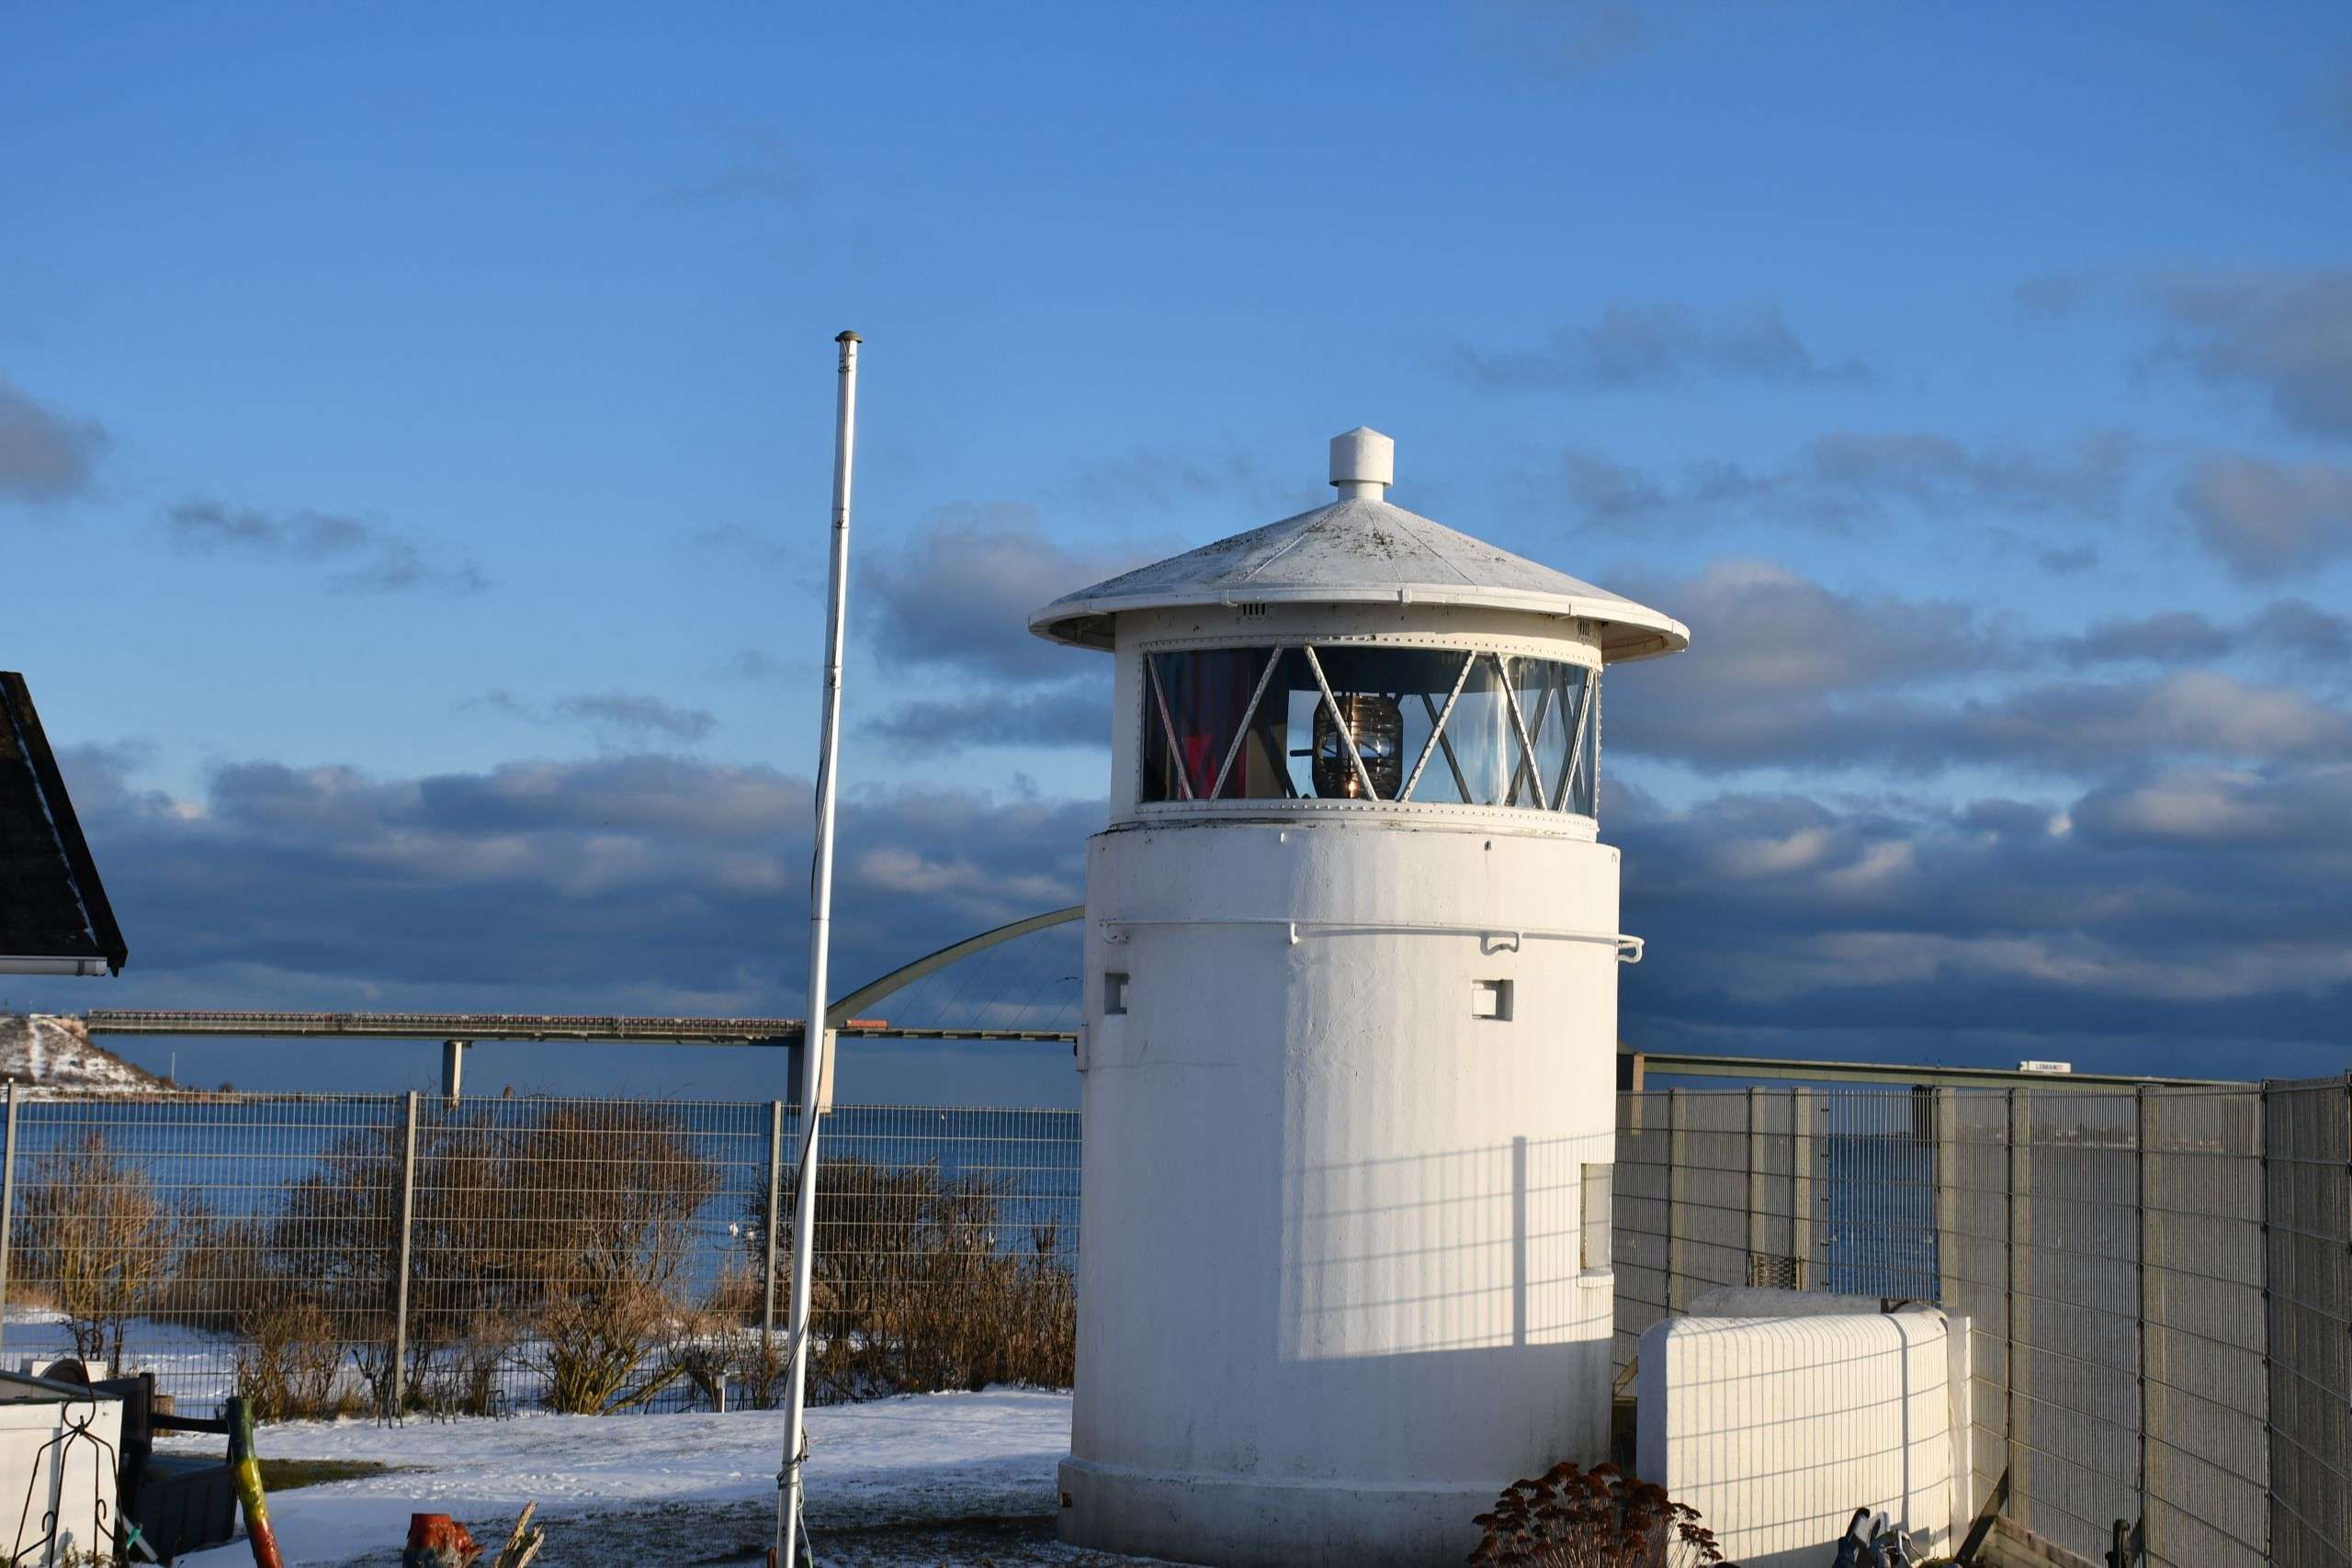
[[1348, 1059]]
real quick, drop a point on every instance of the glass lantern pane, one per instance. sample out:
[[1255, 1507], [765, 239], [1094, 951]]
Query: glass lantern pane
[[1196, 701], [1583, 792], [1389, 700], [1478, 749]]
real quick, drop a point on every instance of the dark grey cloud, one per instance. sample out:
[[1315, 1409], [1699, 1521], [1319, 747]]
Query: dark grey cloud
[[2175, 637], [1640, 345], [2068, 728], [2304, 630], [2286, 335], [2191, 909], [637, 881], [2065, 561], [1766, 633], [2267, 520], [1846, 479], [629, 713], [2289, 629], [1054, 714], [45, 453], [2086, 726], [1785, 673], [1895, 931], [367, 558], [958, 594]]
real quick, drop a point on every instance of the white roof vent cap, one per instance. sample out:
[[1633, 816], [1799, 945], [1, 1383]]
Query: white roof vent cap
[[1363, 463]]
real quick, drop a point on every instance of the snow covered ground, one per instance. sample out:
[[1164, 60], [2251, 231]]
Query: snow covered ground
[[924, 1479], [190, 1363], [957, 1478]]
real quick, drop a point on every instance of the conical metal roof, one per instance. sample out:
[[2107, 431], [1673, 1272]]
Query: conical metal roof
[[1359, 550]]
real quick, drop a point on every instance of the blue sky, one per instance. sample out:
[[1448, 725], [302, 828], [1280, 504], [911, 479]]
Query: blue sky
[[415, 426]]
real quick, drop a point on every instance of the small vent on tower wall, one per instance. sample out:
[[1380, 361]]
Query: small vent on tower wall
[[1115, 992], [1255, 612], [1490, 999]]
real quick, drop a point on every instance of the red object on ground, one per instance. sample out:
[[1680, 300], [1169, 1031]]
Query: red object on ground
[[436, 1541]]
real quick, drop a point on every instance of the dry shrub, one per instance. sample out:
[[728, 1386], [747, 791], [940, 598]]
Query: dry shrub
[[95, 1232], [221, 1269], [290, 1362], [608, 1198], [1569, 1517], [549, 1235], [917, 1290], [458, 1374]]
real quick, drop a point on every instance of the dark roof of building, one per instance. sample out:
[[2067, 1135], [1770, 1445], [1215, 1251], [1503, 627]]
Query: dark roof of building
[[54, 912]]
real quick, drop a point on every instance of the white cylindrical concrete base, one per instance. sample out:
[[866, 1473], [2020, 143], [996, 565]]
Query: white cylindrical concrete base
[[1267, 1524], [1345, 1088]]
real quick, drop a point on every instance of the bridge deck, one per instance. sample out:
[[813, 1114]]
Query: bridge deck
[[770, 1031]]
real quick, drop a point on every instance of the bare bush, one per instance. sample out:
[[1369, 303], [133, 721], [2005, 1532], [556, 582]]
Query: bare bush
[[918, 1288], [560, 1240], [604, 1231], [291, 1362], [97, 1235], [458, 1374]]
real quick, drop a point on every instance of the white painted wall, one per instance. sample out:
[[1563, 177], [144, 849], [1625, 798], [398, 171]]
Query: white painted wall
[[73, 1480], [1776, 1429]]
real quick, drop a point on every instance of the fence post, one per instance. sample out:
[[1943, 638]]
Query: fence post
[[1945, 1208], [1757, 1237], [408, 1220], [775, 1187], [7, 1201], [2141, 1171], [2019, 1239], [1678, 1163], [1802, 1234]]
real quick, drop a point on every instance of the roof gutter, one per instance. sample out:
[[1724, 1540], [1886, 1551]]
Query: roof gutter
[[23, 966]]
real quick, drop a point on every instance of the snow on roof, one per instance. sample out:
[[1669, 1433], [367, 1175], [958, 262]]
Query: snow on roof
[[1359, 550]]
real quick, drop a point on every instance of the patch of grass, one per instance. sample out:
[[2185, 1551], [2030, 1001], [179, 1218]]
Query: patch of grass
[[292, 1474]]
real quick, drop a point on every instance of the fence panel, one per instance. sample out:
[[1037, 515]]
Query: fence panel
[[1642, 1220], [2077, 1352], [327, 1255], [2159, 1283], [1879, 1203], [1974, 1224], [147, 1234], [2206, 1400], [946, 1249], [2308, 1128], [1711, 1200]]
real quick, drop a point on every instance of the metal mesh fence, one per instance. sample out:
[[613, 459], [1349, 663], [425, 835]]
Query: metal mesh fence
[[2159, 1283], [2308, 1273], [345, 1254]]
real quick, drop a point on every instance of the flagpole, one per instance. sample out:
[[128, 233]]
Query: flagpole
[[816, 1036]]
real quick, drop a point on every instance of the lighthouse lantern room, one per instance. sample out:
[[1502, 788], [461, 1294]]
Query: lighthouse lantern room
[[1348, 1054]]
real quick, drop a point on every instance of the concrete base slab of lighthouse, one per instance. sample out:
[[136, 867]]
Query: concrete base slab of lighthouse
[[1266, 1524]]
